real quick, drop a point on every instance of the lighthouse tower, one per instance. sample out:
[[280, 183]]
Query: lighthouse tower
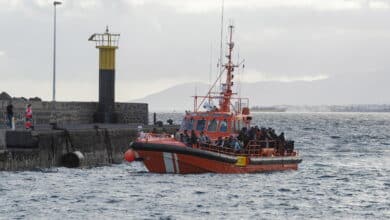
[[107, 43]]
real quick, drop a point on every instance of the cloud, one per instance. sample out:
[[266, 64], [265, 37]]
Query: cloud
[[253, 76], [170, 40], [381, 5], [201, 6]]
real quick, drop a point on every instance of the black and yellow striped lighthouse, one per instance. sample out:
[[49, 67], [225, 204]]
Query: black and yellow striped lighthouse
[[107, 43]]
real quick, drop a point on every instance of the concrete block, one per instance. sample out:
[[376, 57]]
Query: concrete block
[[21, 139], [3, 141]]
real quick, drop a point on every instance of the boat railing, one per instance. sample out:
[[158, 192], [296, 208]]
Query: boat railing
[[237, 102], [216, 149], [259, 148], [148, 136], [162, 135]]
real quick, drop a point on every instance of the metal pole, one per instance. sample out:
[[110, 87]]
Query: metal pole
[[221, 48], [55, 3], [53, 117], [54, 53]]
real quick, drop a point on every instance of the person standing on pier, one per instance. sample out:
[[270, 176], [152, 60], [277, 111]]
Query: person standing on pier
[[10, 115], [29, 116]]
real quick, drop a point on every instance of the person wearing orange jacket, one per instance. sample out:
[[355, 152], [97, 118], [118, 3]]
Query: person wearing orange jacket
[[29, 116]]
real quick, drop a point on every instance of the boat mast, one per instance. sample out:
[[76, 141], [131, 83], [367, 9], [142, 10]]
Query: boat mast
[[220, 63], [229, 66]]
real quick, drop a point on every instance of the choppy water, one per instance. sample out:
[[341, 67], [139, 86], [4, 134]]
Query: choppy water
[[345, 174]]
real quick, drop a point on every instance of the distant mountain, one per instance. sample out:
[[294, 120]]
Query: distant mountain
[[177, 98], [333, 91]]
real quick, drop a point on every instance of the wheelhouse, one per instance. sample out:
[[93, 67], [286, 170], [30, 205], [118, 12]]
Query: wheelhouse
[[213, 124]]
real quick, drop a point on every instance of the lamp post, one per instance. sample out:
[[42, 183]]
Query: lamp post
[[55, 3], [53, 117]]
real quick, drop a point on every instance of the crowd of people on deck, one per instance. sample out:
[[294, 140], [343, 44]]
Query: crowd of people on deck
[[256, 134], [260, 134]]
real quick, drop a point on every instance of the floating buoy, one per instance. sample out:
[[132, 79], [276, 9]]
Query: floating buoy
[[130, 155]]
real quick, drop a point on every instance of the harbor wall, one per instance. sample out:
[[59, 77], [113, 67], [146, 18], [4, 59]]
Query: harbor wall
[[31, 150], [45, 147], [72, 112]]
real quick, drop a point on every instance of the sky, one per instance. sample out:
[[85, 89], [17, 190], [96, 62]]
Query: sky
[[169, 42]]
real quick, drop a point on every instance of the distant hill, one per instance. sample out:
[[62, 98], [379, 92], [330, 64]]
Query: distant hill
[[177, 98], [333, 91]]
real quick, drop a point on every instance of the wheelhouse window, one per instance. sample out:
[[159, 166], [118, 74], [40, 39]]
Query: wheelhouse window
[[212, 125], [238, 125], [187, 124], [223, 127], [190, 124], [200, 126], [183, 124]]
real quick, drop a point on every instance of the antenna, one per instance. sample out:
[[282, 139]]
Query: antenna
[[211, 63], [221, 47], [238, 72]]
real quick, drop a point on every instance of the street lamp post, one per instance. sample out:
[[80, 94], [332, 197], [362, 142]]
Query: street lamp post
[[53, 119], [55, 3]]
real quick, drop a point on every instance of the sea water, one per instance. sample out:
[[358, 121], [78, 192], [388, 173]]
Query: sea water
[[345, 174]]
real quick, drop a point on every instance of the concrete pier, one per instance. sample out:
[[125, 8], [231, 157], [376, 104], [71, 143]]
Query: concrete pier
[[71, 112], [99, 144]]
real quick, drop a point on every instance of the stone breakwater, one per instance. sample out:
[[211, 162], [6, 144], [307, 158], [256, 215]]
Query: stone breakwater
[[76, 141], [73, 147], [72, 112]]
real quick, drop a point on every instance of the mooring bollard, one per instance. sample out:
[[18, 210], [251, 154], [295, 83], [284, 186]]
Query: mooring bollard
[[13, 126]]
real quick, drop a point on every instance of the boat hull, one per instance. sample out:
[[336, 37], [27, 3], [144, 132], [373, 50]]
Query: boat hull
[[164, 158]]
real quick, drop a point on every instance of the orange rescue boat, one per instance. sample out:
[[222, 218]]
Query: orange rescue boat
[[221, 139]]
